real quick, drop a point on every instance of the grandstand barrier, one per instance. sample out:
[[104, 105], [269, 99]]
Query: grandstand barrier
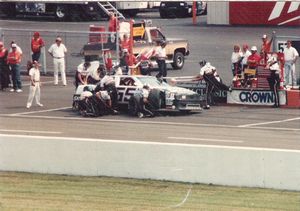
[[219, 165]]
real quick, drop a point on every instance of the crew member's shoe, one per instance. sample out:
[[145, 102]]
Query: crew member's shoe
[[19, 90], [12, 90], [28, 106], [140, 115], [39, 104], [206, 107]]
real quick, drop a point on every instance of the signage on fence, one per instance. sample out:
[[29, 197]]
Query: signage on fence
[[138, 30], [255, 97]]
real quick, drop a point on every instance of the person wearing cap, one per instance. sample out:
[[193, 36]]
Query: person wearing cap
[[4, 70], [274, 79], [266, 46], [141, 98], [246, 54], [126, 61], [160, 54], [290, 57], [35, 85], [14, 60], [212, 79], [18, 47], [236, 58], [36, 44], [254, 58], [58, 51]]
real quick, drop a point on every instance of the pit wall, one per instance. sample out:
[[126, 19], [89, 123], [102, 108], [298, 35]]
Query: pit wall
[[232, 166]]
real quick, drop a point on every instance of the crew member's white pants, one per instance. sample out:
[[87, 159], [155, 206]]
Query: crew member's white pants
[[34, 91], [59, 65], [290, 73]]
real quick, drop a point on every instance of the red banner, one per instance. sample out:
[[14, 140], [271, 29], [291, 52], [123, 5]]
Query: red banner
[[265, 13]]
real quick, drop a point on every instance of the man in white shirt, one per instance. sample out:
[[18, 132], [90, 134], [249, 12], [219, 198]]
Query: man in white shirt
[[58, 51], [161, 56], [34, 88], [290, 58], [246, 54]]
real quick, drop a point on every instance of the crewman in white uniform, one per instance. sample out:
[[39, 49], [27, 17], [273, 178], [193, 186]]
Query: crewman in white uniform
[[35, 84]]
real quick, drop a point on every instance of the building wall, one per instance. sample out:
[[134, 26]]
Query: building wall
[[218, 13]]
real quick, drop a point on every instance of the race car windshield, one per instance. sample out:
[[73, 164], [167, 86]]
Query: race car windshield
[[153, 82]]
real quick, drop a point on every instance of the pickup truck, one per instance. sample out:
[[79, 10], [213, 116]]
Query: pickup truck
[[145, 39]]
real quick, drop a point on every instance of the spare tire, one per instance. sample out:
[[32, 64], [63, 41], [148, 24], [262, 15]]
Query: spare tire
[[133, 106]]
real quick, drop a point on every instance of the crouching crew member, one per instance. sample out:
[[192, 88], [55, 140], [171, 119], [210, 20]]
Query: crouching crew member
[[208, 73], [81, 73], [108, 83], [142, 96], [274, 79]]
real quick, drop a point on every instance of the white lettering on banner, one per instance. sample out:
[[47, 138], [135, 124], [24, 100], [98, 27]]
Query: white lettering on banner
[[256, 97], [277, 10], [280, 46]]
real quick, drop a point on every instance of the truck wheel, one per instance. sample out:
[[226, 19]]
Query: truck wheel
[[178, 61], [162, 15], [60, 13]]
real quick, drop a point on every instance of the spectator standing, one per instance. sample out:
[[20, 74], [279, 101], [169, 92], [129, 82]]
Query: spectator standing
[[161, 56], [290, 57], [254, 58], [246, 54], [112, 24], [14, 60], [36, 44], [58, 51], [35, 85], [236, 59], [266, 47], [4, 70]]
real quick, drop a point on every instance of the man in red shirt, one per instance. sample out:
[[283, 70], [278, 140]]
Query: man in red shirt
[[125, 43], [36, 44], [112, 24], [14, 60], [254, 58], [265, 47]]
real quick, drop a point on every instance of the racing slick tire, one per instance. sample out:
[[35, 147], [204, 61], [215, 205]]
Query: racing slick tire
[[178, 60], [133, 107], [155, 99], [75, 106]]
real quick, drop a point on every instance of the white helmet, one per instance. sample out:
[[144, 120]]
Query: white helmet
[[254, 48]]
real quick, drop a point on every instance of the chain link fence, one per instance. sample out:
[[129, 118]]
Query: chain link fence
[[73, 40]]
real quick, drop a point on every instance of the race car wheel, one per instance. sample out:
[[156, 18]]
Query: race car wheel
[[178, 60], [133, 106], [155, 99], [163, 15]]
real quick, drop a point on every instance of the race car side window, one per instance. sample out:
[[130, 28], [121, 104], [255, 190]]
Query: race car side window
[[127, 81]]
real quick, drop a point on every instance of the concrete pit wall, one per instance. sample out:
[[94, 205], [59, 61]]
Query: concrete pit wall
[[233, 166]]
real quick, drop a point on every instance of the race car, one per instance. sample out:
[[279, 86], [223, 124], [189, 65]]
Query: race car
[[163, 97]]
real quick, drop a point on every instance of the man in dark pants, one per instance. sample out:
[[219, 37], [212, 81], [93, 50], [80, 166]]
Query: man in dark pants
[[209, 74], [161, 60], [274, 79]]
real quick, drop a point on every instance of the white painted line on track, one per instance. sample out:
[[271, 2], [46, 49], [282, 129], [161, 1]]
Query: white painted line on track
[[206, 139], [137, 121], [271, 122], [30, 131], [140, 142], [40, 111]]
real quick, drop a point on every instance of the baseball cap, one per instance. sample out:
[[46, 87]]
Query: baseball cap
[[13, 45], [58, 39], [264, 36], [245, 46], [36, 34], [253, 48], [125, 50]]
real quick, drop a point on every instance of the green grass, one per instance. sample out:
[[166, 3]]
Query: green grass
[[24, 191]]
